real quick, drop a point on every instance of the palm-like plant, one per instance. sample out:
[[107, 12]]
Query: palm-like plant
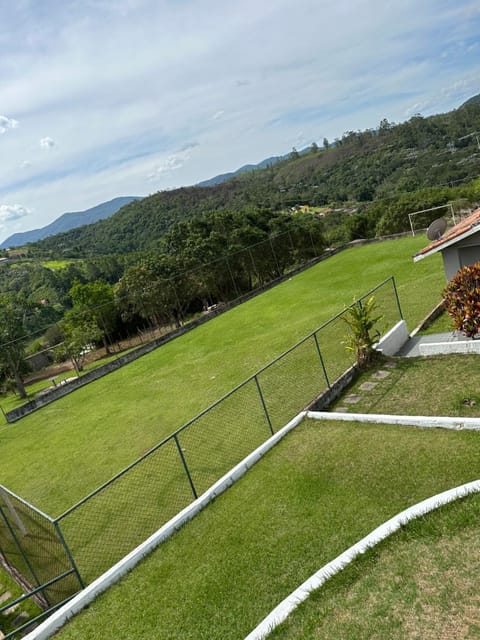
[[361, 319]]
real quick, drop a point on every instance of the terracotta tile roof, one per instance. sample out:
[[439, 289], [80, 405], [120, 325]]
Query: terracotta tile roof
[[461, 230]]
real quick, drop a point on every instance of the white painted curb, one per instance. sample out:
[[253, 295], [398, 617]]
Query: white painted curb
[[443, 422], [442, 348], [106, 580], [281, 611]]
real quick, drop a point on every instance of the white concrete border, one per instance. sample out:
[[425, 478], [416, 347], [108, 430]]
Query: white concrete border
[[393, 340], [281, 611], [440, 348], [101, 584], [432, 422]]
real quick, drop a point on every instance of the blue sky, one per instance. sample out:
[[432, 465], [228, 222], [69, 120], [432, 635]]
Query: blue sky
[[102, 98]]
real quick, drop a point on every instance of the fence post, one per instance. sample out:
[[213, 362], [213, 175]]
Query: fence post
[[262, 400], [69, 554], [321, 361], [185, 466], [22, 553], [231, 277], [279, 273], [397, 298], [315, 252]]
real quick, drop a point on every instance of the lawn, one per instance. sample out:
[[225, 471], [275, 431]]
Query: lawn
[[433, 386], [58, 454], [28, 606], [420, 583], [324, 487]]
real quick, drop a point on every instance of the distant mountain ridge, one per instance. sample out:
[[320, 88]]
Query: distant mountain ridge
[[363, 168], [222, 177], [69, 221], [472, 100]]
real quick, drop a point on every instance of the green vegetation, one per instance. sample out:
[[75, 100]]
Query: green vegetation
[[182, 251], [420, 583], [320, 490], [207, 261], [362, 321], [55, 264], [130, 410], [8, 584], [442, 324], [462, 300], [371, 179], [433, 386]]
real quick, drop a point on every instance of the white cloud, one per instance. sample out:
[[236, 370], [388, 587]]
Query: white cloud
[[11, 213], [173, 162], [134, 79], [47, 143], [25, 164], [7, 123]]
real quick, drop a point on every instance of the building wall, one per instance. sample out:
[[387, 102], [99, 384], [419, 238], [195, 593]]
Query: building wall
[[461, 254]]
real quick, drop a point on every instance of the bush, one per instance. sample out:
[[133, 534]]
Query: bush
[[462, 300], [361, 319]]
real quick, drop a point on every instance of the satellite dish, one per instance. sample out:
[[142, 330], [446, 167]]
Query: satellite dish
[[436, 230]]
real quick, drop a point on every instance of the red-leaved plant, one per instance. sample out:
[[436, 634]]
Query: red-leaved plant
[[462, 300]]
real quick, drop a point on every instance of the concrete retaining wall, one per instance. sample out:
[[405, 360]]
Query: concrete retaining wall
[[393, 341]]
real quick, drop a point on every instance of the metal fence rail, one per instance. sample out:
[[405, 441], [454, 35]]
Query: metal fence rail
[[102, 528]]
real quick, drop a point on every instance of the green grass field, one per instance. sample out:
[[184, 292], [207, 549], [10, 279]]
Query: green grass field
[[57, 455], [433, 386], [320, 490], [420, 583]]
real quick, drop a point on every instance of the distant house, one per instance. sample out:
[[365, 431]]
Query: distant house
[[460, 246], [303, 208]]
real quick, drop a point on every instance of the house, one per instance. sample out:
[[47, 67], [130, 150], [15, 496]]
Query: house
[[460, 245]]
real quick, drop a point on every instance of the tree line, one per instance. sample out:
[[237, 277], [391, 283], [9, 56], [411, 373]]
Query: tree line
[[203, 262], [361, 169]]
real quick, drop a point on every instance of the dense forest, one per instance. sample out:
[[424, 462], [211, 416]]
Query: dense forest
[[364, 170], [163, 259]]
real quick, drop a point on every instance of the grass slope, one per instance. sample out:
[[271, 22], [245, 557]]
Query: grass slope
[[421, 583], [321, 489], [434, 386], [58, 454]]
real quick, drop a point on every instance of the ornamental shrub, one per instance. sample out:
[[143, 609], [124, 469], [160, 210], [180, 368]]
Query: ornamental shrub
[[361, 319], [462, 300]]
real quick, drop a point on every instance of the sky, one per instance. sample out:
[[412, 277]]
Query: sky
[[103, 98]]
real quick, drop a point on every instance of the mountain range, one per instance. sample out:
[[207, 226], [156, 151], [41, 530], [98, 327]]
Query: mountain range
[[72, 220], [69, 221], [364, 168]]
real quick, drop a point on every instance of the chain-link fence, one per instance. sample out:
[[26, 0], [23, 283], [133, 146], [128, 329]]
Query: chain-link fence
[[32, 546], [103, 527], [60, 351]]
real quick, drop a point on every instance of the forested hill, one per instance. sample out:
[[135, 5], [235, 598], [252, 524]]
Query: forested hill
[[68, 221], [363, 169], [472, 100]]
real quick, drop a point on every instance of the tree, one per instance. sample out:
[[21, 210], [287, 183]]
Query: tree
[[326, 144], [80, 332], [462, 300], [12, 340], [94, 303]]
